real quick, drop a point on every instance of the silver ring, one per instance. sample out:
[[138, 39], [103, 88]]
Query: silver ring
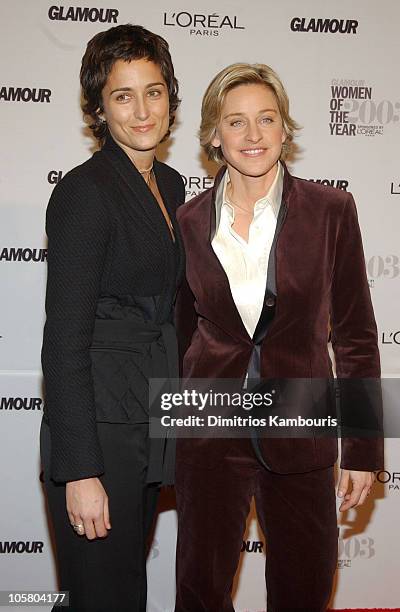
[[79, 528]]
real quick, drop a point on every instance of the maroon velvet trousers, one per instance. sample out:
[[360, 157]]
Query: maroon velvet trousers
[[297, 513]]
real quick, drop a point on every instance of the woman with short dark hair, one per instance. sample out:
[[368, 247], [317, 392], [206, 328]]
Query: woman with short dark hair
[[115, 258]]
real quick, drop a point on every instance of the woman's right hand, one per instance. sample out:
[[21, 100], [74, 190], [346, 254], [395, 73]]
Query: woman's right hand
[[87, 505]]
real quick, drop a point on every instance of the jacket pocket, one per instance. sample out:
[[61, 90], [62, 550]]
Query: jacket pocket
[[120, 383]]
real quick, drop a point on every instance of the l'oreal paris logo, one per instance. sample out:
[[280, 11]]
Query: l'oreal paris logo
[[199, 24], [392, 337]]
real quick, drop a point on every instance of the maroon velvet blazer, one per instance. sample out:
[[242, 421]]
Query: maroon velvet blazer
[[316, 280]]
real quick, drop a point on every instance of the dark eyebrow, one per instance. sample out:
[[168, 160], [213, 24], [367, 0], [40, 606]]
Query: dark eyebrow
[[265, 110], [154, 84], [130, 88], [120, 89]]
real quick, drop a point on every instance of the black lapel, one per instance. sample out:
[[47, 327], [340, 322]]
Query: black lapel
[[268, 309], [229, 311], [168, 195], [147, 206], [269, 305], [132, 179], [217, 181]]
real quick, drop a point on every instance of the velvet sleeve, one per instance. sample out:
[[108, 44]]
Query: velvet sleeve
[[355, 346]]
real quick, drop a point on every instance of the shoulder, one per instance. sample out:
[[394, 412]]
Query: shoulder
[[168, 172], [80, 178], [320, 198], [78, 192]]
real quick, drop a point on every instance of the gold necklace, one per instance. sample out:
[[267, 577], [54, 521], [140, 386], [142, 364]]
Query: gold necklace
[[249, 212], [145, 171], [150, 172]]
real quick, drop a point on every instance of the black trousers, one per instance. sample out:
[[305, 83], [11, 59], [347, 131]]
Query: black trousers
[[107, 575], [297, 513]]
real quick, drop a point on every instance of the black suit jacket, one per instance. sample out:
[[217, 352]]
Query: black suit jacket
[[113, 271]]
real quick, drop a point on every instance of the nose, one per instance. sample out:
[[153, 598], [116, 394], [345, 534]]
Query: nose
[[253, 132], [141, 108]]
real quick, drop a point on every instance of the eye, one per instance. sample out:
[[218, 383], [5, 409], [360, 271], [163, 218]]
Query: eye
[[123, 97], [266, 120], [154, 93], [236, 123]]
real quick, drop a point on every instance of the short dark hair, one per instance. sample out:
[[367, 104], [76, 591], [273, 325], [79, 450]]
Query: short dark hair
[[126, 42]]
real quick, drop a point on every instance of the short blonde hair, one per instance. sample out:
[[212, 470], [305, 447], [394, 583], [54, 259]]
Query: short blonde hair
[[233, 76]]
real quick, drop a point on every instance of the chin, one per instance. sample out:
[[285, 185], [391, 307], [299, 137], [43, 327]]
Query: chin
[[255, 174], [144, 145], [261, 169], [253, 170]]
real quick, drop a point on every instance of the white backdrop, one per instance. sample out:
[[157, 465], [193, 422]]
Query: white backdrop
[[43, 136]]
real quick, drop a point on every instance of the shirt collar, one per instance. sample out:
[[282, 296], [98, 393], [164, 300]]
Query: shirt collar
[[272, 198]]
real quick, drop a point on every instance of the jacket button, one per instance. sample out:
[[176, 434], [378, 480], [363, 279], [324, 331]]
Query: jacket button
[[270, 302]]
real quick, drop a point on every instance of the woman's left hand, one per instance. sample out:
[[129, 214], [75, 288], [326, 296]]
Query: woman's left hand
[[361, 486]]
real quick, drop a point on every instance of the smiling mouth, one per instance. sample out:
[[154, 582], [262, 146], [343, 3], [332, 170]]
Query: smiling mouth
[[253, 152], [142, 129]]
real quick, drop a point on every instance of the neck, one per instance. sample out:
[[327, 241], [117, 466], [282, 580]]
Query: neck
[[142, 160], [249, 189]]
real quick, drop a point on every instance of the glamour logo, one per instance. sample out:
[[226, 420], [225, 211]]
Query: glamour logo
[[391, 337], [199, 24], [21, 403], [54, 176], [21, 547], [252, 546], [80, 13], [21, 254], [392, 479], [196, 184], [24, 94], [338, 183], [332, 26]]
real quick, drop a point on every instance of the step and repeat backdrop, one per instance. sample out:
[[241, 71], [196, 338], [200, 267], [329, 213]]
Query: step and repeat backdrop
[[339, 62]]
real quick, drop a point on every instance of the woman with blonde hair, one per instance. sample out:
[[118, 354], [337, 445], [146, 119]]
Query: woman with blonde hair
[[272, 260]]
